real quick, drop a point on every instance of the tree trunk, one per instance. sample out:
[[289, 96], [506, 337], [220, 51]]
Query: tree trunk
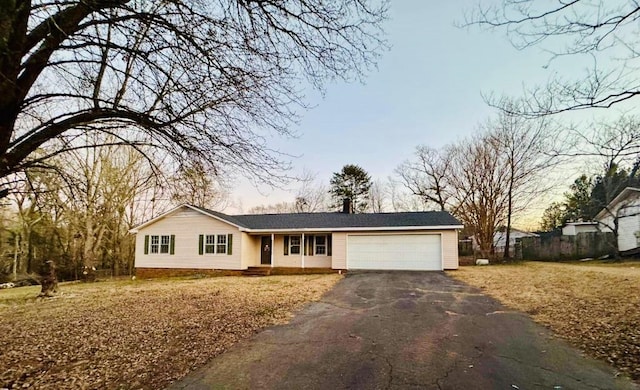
[[507, 253], [48, 281], [29, 253], [15, 257]]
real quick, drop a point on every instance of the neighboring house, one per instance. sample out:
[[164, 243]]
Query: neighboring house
[[500, 239], [574, 228], [623, 211], [190, 237]]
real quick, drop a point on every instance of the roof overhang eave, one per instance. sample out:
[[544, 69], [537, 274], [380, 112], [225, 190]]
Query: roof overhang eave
[[351, 229]]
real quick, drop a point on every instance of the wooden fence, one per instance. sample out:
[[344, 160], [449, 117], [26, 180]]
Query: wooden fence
[[555, 247]]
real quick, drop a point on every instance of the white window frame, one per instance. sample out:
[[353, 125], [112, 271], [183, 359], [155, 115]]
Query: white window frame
[[159, 244], [154, 245], [215, 244], [209, 244], [221, 244], [292, 245], [323, 246], [165, 244]]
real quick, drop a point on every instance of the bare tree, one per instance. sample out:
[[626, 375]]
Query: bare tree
[[526, 147], [192, 184], [427, 176], [604, 32], [377, 197], [102, 185], [401, 199], [276, 208], [311, 196], [488, 178], [479, 177], [609, 143], [201, 81]]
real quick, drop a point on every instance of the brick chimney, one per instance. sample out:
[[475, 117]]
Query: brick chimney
[[347, 207]]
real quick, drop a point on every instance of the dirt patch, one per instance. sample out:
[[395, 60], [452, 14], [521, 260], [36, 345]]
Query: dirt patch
[[595, 307], [138, 334]]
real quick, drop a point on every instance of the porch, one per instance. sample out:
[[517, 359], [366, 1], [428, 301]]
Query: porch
[[289, 250]]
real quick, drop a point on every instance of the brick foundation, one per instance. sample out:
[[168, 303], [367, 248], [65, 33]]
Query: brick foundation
[[150, 273], [303, 271]]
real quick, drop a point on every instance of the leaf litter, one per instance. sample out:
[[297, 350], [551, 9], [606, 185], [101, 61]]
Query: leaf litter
[[138, 334], [595, 307]]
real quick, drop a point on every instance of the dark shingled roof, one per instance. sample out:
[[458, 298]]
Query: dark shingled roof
[[338, 220]]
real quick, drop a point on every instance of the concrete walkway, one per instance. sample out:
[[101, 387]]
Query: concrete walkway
[[404, 330]]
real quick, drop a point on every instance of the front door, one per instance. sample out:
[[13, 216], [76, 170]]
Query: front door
[[265, 258]]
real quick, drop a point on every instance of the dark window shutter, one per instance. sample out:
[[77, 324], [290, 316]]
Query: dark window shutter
[[172, 245], [286, 245], [329, 245], [229, 243], [146, 244], [201, 244], [312, 241]]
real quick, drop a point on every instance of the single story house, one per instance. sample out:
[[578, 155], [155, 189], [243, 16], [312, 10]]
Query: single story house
[[500, 239], [194, 238], [624, 210], [574, 228]]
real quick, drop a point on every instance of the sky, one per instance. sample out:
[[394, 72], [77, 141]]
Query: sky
[[427, 90]]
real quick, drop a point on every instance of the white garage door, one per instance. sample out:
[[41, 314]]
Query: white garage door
[[416, 252]]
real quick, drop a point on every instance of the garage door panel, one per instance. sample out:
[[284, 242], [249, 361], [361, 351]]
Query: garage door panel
[[394, 252]]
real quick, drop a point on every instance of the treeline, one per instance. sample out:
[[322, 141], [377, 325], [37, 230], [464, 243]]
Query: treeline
[[78, 210], [588, 195]]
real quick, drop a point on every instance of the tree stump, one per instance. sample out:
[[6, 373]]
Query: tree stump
[[89, 274], [48, 281]]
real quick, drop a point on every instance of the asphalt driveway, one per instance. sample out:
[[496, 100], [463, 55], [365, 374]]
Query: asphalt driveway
[[404, 330]]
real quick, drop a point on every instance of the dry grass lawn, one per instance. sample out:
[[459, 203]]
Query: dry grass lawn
[[596, 307], [137, 334]]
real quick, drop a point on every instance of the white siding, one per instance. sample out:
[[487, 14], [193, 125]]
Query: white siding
[[628, 213], [572, 229], [317, 261], [187, 225], [450, 249], [282, 260], [295, 261], [586, 228], [627, 228], [250, 250], [339, 252]]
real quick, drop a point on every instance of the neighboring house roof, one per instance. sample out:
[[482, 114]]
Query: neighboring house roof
[[515, 231], [499, 238], [581, 223], [328, 221], [612, 206]]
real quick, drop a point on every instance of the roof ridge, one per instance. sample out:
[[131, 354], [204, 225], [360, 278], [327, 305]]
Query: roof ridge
[[340, 213]]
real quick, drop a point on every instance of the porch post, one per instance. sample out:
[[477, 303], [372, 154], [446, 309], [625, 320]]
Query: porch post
[[303, 247], [272, 248]]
